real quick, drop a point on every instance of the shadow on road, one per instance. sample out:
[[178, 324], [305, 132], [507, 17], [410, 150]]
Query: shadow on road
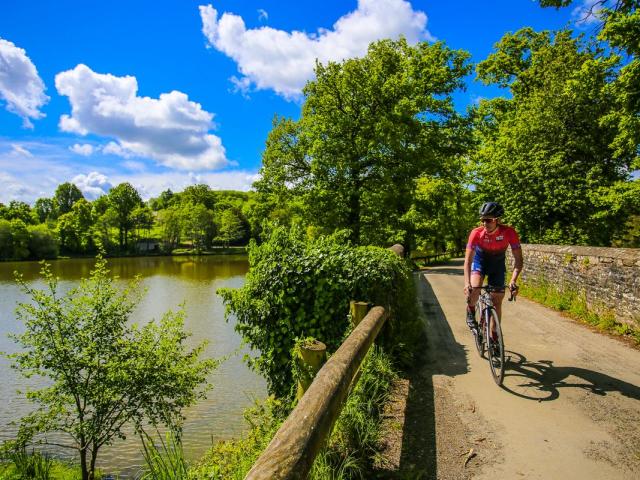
[[452, 267], [541, 380], [442, 356]]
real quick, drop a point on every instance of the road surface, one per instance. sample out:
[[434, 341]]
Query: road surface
[[569, 409]]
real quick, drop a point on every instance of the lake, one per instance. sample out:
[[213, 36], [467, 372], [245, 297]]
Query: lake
[[170, 281]]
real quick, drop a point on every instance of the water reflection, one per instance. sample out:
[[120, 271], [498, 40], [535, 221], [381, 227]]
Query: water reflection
[[170, 282]]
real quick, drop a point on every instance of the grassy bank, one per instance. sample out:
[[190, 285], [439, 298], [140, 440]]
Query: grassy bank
[[573, 304]]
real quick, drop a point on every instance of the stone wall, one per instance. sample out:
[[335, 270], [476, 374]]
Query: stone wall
[[608, 277]]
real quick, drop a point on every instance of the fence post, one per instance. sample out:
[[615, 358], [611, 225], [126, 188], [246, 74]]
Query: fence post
[[358, 311], [311, 356]]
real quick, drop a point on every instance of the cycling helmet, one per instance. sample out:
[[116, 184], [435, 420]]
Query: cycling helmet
[[492, 210]]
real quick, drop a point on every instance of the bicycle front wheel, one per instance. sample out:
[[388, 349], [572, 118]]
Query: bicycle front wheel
[[495, 345]]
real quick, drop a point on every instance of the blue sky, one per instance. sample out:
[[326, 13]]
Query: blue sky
[[167, 93]]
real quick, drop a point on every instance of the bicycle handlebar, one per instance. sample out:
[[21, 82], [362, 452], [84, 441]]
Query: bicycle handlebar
[[492, 288]]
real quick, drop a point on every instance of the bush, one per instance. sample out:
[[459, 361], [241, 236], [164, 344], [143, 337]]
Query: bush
[[297, 289]]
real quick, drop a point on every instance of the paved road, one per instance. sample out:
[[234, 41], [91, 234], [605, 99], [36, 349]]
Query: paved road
[[570, 406]]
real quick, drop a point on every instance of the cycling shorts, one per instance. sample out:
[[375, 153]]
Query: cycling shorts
[[494, 269]]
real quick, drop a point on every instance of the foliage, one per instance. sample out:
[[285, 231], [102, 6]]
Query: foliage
[[65, 196], [123, 200], [620, 28], [230, 228], [369, 128], [198, 226], [104, 372], [547, 154], [297, 289], [19, 211]]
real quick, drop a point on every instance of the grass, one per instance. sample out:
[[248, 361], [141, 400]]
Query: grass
[[574, 304], [23, 465], [353, 444]]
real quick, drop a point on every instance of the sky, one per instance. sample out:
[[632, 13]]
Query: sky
[[169, 93]]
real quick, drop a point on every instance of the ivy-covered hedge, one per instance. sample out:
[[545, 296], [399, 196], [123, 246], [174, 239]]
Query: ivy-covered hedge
[[299, 288]]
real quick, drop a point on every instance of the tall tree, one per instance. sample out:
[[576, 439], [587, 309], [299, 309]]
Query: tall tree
[[198, 226], [44, 208], [124, 199], [368, 126], [547, 153], [66, 195], [620, 28], [200, 194]]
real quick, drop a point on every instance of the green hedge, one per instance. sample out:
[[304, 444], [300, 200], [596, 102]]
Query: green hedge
[[297, 288]]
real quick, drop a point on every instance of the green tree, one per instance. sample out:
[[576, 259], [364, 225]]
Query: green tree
[[165, 200], [547, 153], [69, 233], [65, 196], [170, 222], [369, 128], [6, 240], [620, 28], [43, 242], [105, 372], [200, 194], [124, 199], [19, 239], [230, 227], [44, 208], [21, 211], [143, 219], [198, 226]]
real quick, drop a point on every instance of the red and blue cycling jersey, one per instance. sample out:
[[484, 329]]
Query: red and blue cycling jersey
[[490, 248]]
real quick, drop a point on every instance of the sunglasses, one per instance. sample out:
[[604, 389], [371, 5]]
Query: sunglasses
[[487, 220]]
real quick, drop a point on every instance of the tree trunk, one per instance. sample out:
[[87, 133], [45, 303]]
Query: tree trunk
[[94, 456], [83, 462]]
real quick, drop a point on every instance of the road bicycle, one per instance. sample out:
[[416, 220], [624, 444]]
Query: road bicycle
[[485, 340]]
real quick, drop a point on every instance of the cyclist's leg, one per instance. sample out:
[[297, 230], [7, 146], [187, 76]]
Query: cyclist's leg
[[496, 278], [476, 279]]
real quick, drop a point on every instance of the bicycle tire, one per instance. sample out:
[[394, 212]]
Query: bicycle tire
[[495, 348], [477, 334]]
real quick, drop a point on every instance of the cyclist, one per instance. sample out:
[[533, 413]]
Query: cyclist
[[485, 256]]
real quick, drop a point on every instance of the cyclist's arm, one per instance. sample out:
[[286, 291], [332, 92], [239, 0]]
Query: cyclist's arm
[[517, 265], [468, 261]]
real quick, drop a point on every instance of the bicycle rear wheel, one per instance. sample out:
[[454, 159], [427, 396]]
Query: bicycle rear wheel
[[478, 334], [495, 345]]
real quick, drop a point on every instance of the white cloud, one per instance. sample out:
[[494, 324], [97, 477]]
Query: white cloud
[[85, 149], [587, 13], [20, 151], [20, 85], [171, 129], [114, 149], [283, 61], [92, 185]]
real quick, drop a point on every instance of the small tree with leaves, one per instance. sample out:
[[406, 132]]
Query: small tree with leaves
[[105, 373]]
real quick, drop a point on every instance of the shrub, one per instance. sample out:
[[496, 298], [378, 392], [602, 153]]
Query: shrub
[[297, 289]]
